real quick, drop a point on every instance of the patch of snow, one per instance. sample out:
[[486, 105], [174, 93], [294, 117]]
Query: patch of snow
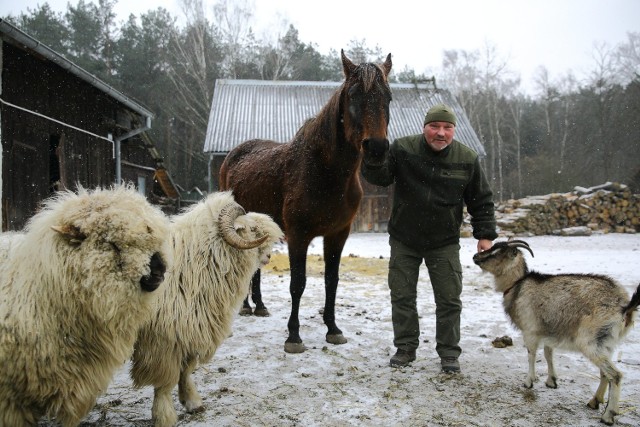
[[251, 381]]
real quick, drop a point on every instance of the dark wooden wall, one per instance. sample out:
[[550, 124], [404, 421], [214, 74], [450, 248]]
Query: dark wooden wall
[[375, 208], [31, 164], [137, 164]]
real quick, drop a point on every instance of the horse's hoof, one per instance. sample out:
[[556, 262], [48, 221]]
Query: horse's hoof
[[336, 339], [294, 347], [246, 311], [261, 312]]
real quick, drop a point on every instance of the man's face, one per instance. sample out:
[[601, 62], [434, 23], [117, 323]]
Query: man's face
[[439, 135]]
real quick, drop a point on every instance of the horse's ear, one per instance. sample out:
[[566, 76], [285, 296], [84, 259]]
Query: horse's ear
[[387, 65], [347, 65]]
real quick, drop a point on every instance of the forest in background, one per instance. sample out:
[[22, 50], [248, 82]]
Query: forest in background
[[568, 133]]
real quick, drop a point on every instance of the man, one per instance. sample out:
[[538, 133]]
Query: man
[[435, 176]]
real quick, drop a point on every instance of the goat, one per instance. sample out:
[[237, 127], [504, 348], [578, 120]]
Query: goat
[[587, 313]]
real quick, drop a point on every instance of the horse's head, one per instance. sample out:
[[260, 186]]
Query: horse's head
[[366, 98]]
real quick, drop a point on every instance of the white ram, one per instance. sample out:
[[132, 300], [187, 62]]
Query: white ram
[[216, 249], [75, 287]]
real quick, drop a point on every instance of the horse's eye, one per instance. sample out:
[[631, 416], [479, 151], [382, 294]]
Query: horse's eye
[[352, 92]]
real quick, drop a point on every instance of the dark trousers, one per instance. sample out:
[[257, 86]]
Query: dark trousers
[[445, 273]]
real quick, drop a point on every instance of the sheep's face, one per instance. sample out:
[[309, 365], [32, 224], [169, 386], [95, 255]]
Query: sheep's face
[[115, 248], [263, 224], [157, 267]]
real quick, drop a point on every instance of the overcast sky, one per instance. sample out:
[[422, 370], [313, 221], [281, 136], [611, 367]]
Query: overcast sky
[[557, 34]]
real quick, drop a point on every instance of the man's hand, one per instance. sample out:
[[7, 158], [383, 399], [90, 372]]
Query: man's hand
[[484, 244]]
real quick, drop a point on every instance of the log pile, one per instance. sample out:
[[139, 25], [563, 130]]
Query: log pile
[[610, 207]]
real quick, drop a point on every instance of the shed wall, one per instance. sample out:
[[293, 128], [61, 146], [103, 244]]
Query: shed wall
[[40, 155]]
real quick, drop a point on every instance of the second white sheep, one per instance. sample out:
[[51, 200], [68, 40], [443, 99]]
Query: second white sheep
[[216, 249]]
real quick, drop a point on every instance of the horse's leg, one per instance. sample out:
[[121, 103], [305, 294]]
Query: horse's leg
[[256, 296], [298, 266], [333, 246], [246, 309]]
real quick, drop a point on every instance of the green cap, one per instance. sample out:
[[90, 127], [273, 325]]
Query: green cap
[[440, 113]]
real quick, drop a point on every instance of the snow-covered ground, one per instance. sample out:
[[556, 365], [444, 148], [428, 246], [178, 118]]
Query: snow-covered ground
[[252, 382]]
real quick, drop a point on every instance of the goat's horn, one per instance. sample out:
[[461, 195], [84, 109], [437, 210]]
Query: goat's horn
[[517, 241], [519, 244], [227, 217]]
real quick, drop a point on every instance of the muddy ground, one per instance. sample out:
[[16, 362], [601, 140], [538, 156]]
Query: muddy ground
[[251, 381]]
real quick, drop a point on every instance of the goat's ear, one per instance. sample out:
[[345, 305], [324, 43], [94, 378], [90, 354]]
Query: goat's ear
[[71, 233], [513, 252]]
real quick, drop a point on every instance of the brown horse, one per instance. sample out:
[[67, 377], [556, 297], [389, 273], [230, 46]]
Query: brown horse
[[311, 185]]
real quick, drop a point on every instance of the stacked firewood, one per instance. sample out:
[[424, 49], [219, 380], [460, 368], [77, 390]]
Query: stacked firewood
[[610, 207]]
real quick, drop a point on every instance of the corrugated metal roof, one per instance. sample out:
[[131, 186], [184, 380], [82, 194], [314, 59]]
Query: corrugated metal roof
[[247, 109]]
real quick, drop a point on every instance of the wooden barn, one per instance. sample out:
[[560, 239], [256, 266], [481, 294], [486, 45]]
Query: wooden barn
[[247, 109], [61, 126]]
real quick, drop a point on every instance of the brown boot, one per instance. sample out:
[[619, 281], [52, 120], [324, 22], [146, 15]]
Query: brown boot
[[402, 358], [450, 364]]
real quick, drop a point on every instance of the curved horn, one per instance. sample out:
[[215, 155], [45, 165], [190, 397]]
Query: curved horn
[[227, 217], [519, 244]]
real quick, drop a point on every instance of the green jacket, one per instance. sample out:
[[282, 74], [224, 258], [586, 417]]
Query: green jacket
[[431, 189]]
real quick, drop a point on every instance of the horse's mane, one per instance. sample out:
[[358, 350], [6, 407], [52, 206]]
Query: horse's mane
[[370, 73]]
